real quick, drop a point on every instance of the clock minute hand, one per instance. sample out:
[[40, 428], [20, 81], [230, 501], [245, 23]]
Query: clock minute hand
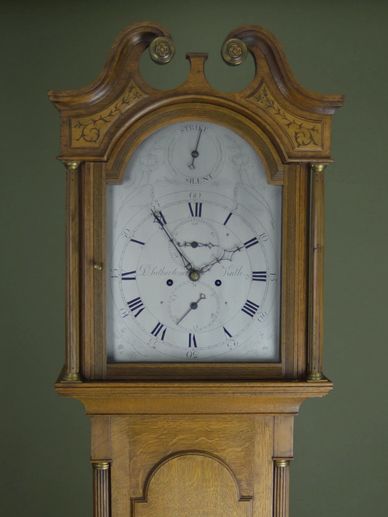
[[186, 261]]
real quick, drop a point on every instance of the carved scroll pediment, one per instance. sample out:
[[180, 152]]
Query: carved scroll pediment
[[295, 120]]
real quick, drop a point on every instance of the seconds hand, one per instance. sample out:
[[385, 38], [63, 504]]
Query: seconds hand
[[193, 306]]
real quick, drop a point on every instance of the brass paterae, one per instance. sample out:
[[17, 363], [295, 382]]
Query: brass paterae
[[162, 50], [234, 51]]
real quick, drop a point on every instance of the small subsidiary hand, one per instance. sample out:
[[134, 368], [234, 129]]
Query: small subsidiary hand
[[195, 153], [193, 306]]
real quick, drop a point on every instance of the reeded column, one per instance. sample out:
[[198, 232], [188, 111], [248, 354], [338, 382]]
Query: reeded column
[[72, 361], [101, 489], [316, 252], [281, 485]]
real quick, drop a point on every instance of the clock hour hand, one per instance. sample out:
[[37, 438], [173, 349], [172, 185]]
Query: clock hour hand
[[186, 261], [195, 153], [226, 255], [193, 306]]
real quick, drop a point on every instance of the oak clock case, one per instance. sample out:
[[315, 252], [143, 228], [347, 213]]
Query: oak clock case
[[194, 310], [193, 246]]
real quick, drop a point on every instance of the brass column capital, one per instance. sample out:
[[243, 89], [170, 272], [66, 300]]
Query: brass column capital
[[318, 167], [101, 465], [282, 462], [72, 166]]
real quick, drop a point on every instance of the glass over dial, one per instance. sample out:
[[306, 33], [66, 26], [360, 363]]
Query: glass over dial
[[194, 251]]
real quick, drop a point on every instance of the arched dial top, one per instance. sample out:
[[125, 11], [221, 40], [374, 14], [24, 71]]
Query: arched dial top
[[194, 251]]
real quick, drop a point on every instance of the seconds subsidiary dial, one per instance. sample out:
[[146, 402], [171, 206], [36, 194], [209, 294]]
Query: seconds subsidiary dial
[[194, 251]]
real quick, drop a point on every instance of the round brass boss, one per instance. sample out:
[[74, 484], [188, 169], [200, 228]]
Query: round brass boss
[[162, 50], [234, 51]]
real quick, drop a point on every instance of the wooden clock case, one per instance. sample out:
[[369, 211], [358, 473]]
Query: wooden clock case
[[214, 439]]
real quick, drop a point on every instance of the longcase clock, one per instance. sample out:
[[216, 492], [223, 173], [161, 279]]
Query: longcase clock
[[194, 277]]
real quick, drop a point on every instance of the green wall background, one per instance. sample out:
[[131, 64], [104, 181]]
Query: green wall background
[[338, 46]]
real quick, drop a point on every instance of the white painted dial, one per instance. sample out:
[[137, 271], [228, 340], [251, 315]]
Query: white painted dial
[[194, 251]]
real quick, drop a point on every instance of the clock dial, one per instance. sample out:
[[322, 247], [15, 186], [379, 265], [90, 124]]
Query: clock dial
[[193, 247]]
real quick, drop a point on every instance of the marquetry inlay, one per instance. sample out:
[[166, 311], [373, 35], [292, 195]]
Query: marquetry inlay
[[89, 131], [304, 134]]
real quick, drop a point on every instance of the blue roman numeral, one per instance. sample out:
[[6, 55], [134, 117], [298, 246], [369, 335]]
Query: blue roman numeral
[[159, 329], [251, 242], [195, 209], [259, 276], [136, 306], [138, 242], [227, 332], [250, 308], [227, 219], [192, 341], [129, 275]]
